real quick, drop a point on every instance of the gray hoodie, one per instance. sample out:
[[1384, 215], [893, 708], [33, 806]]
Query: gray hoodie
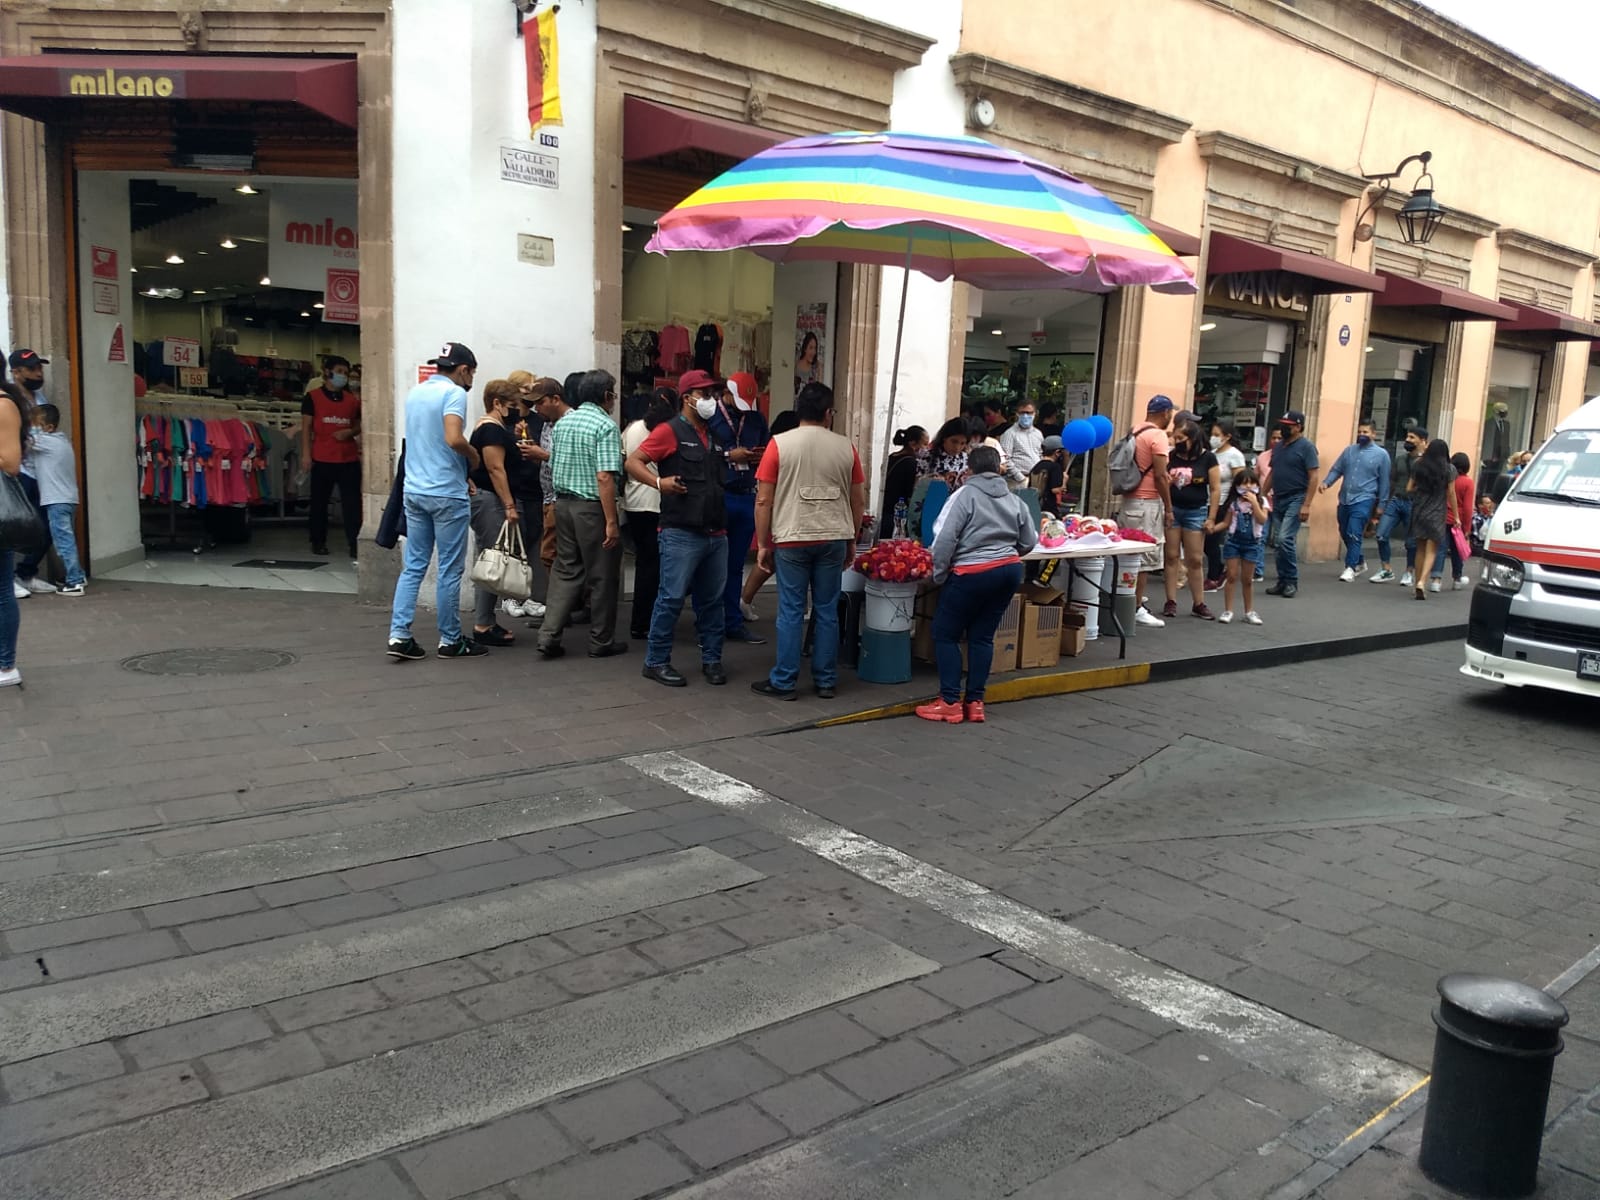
[[984, 521]]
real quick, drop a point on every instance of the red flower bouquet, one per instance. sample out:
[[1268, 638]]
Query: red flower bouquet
[[896, 561]]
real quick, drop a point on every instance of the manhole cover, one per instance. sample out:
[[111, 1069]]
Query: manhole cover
[[207, 660]]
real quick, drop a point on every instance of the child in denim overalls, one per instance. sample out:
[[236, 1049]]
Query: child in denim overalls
[[1244, 519]]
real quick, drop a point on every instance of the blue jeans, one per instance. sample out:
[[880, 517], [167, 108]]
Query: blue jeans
[[10, 615], [814, 569], [59, 518], [741, 532], [430, 521], [971, 607], [1396, 515], [1353, 520], [1448, 547], [1287, 511], [692, 565]]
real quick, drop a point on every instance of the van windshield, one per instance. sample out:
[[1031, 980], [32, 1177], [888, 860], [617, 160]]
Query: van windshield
[[1566, 470]]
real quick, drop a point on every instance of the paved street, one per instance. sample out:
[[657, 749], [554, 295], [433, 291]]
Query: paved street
[[292, 933]]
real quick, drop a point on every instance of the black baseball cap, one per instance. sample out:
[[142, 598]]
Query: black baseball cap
[[453, 355], [27, 358], [1294, 417]]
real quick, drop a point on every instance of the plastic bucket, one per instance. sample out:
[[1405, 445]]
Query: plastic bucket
[[890, 606], [852, 581], [1085, 595]]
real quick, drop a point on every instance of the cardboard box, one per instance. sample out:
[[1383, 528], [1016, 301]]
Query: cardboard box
[[1006, 637], [1073, 635], [1039, 642]]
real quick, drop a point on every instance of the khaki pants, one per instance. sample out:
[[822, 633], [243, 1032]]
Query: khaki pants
[[582, 564]]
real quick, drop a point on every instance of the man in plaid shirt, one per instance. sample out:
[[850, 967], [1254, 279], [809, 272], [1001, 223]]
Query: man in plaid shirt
[[585, 460]]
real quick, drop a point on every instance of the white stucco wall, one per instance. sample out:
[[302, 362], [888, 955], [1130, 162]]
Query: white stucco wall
[[457, 275], [5, 273]]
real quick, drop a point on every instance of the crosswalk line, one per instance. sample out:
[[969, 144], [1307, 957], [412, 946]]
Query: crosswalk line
[[117, 1003], [1277, 1043], [282, 1133], [60, 897], [989, 1133]]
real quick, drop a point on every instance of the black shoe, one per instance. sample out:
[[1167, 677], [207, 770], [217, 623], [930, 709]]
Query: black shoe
[[714, 674], [579, 617], [322, 550], [639, 635], [552, 649], [495, 635], [1277, 588], [608, 651], [763, 687], [666, 674], [1289, 590], [465, 648], [407, 649], [742, 634], [824, 692]]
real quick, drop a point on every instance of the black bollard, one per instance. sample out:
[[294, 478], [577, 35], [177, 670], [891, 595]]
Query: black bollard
[[1492, 1058]]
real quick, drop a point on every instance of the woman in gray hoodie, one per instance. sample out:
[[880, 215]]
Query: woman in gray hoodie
[[977, 556]]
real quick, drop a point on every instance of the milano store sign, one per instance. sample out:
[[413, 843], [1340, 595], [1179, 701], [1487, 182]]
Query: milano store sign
[[312, 231]]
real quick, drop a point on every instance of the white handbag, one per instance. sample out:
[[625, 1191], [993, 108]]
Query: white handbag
[[503, 568]]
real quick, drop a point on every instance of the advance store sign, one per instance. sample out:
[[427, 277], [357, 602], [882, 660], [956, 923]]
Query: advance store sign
[[311, 229]]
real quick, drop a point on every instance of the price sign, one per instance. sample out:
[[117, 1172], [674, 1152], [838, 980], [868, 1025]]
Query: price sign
[[180, 352], [193, 377]]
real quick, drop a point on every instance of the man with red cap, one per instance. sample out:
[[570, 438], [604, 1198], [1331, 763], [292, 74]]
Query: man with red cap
[[741, 431]]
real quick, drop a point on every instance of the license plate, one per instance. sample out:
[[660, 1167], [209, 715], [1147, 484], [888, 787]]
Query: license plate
[[1588, 664]]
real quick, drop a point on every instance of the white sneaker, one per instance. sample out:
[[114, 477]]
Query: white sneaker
[[40, 587], [76, 589], [1147, 618], [1384, 575], [11, 678], [513, 608], [1225, 617], [1361, 567], [1408, 579], [748, 611], [1435, 585], [18, 591], [1461, 582], [1252, 617], [533, 610], [1347, 575]]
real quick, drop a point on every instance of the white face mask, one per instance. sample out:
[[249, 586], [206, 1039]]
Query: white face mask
[[706, 407], [1216, 443]]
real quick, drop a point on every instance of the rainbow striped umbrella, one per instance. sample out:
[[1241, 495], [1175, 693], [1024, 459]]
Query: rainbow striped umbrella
[[959, 208]]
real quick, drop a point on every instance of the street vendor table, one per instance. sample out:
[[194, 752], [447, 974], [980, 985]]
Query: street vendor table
[[1072, 554]]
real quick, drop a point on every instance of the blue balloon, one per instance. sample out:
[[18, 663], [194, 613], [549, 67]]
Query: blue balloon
[[1079, 437], [1103, 429]]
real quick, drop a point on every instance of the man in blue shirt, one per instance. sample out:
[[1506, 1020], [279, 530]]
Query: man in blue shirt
[[741, 431], [438, 508], [1364, 468], [1293, 483]]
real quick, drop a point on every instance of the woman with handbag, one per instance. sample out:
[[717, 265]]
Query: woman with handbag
[[1433, 508], [21, 530], [493, 505]]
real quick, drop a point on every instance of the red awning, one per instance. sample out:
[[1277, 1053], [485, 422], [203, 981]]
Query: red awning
[[1184, 245], [1452, 303], [42, 86], [1558, 326], [650, 130], [1235, 256]]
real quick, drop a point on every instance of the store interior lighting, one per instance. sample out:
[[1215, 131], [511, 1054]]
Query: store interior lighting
[[244, 189], [228, 244], [175, 260], [1208, 327]]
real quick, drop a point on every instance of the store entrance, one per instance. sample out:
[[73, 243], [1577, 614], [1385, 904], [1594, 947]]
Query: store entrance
[[211, 309], [1397, 383], [1243, 374]]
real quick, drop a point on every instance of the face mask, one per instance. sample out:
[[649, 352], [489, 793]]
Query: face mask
[[706, 407], [1216, 443], [1025, 420], [1363, 440], [33, 385], [337, 381], [1287, 431]]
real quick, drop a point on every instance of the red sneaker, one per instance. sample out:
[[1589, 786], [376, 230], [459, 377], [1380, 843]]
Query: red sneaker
[[940, 710], [975, 711], [1203, 612]]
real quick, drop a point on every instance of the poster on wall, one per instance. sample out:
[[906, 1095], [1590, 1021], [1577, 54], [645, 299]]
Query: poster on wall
[[810, 354], [103, 262], [311, 228], [119, 347], [107, 298], [341, 297], [1076, 401]]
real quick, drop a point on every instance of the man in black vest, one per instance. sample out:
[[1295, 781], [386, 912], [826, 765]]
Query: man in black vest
[[688, 470]]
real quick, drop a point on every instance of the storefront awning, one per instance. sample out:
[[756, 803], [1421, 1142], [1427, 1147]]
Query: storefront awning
[[1452, 303], [1322, 276], [1184, 245], [51, 86], [1558, 326], [651, 130]]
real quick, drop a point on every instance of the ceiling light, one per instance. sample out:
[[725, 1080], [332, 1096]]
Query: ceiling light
[[304, 314], [1370, 349], [228, 244], [175, 259], [198, 292], [133, 270], [1208, 327], [244, 189], [998, 332], [318, 304], [150, 292], [266, 281], [626, 228]]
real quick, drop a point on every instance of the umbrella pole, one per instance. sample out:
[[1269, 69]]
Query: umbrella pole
[[894, 371]]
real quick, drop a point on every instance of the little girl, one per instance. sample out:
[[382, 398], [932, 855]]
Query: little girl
[[1244, 520]]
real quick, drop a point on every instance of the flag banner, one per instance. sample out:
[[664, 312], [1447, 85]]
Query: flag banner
[[544, 70]]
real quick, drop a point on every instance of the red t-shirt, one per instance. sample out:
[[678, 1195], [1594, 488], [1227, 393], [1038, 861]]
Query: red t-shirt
[[329, 413], [1466, 501], [767, 472]]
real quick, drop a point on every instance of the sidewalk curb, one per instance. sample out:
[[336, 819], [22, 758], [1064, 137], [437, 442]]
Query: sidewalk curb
[[1086, 679]]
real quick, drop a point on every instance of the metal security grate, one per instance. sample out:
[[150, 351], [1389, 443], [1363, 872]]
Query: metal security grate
[[207, 660]]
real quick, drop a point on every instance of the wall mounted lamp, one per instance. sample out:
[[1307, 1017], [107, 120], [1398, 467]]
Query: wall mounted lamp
[[1419, 217]]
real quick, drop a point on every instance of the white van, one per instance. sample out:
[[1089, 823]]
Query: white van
[[1536, 610]]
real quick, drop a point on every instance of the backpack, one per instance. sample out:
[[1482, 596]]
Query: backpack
[[1122, 464]]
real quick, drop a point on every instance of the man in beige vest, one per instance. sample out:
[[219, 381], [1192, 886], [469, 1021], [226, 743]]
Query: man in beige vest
[[811, 496]]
